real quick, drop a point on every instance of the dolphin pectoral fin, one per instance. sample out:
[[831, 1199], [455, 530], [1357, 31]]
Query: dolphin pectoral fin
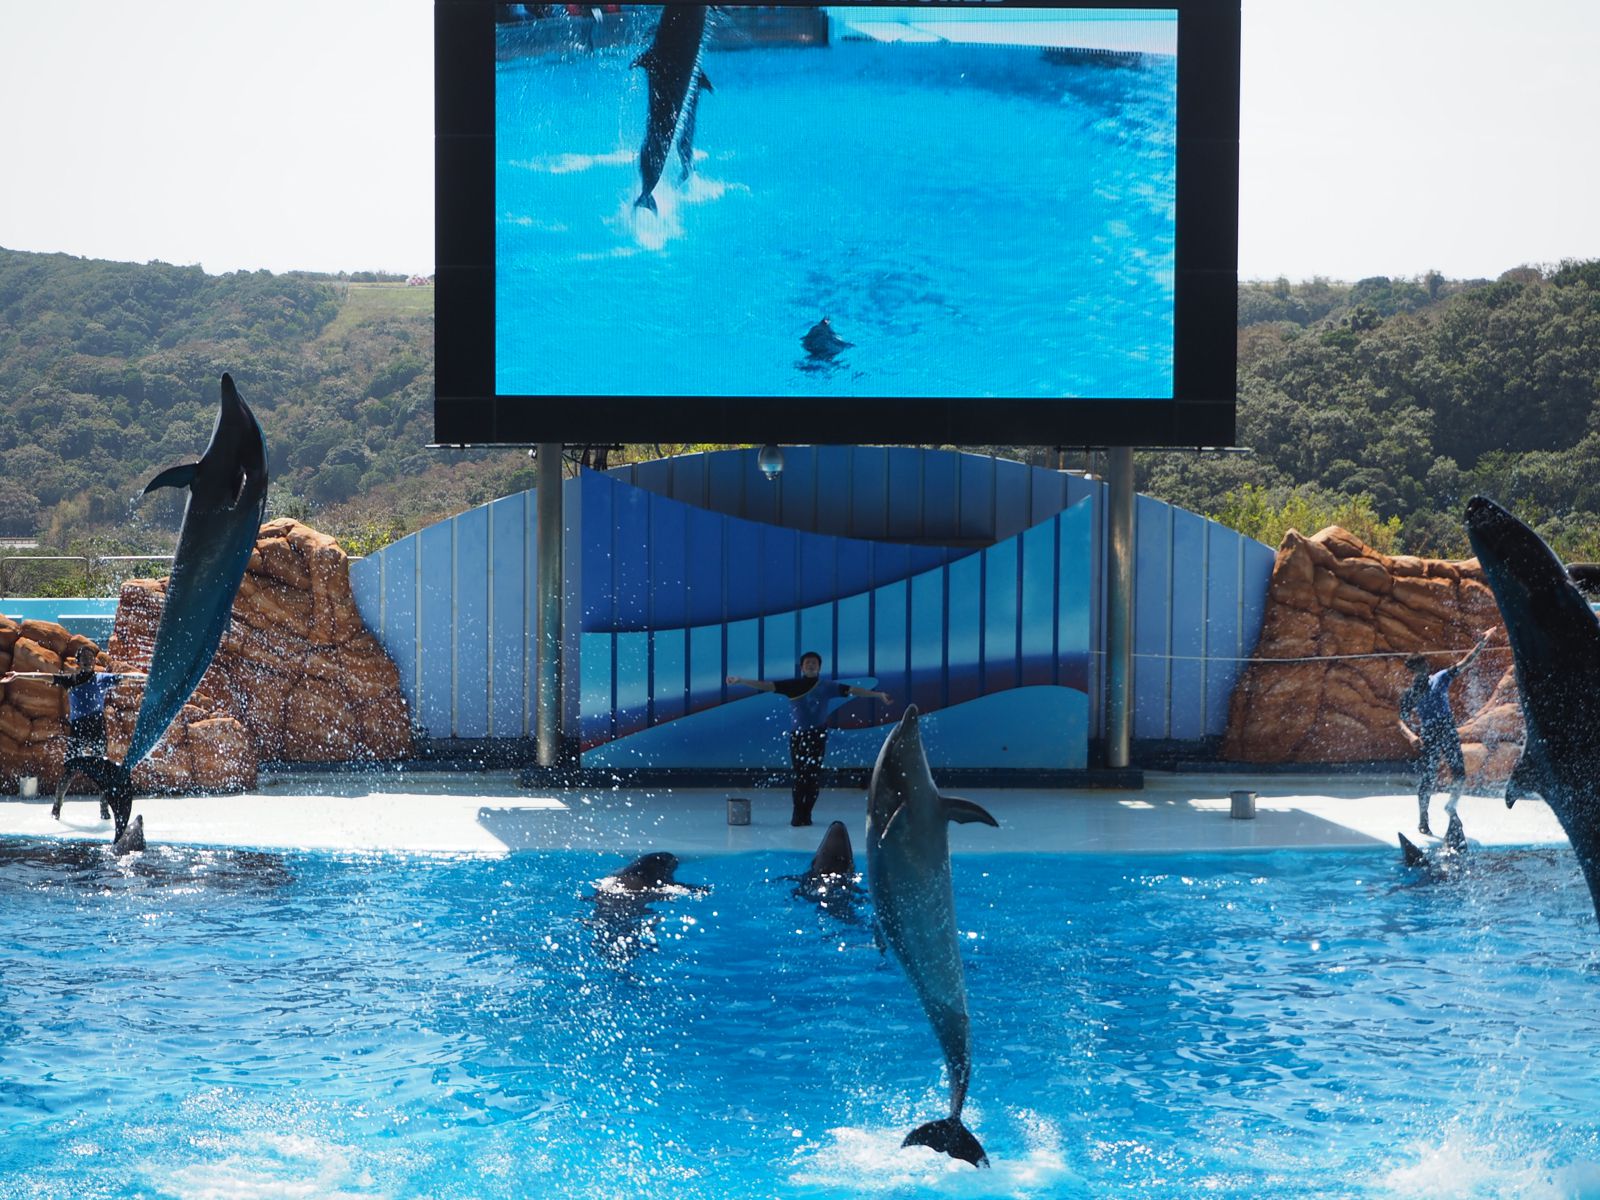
[[1529, 777], [705, 83], [178, 477], [951, 1137], [1409, 853], [965, 812], [646, 60]]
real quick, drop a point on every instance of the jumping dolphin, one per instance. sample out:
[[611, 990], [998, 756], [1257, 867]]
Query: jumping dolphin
[[1555, 644], [227, 503], [1448, 861], [691, 109], [672, 67], [908, 871]]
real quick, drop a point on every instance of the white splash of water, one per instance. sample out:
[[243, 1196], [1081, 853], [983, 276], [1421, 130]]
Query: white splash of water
[[1460, 1167], [571, 164], [268, 1166]]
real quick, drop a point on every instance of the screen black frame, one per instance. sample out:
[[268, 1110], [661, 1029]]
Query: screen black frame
[[468, 411]]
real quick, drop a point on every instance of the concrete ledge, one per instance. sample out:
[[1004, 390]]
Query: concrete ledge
[[489, 813]]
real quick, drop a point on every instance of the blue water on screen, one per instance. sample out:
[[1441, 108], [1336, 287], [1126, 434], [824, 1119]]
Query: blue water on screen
[[976, 220], [200, 1023]]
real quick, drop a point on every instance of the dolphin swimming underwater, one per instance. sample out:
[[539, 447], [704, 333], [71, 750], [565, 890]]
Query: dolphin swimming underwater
[[227, 503], [908, 873], [672, 67], [1555, 644]]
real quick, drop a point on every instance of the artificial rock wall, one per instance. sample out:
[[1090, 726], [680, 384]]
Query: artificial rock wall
[[1344, 617], [298, 678]]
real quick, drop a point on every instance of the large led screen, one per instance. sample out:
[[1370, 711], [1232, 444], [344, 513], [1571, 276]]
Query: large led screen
[[909, 223]]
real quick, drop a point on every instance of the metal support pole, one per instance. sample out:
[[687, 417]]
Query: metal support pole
[[548, 525], [1119, 606]]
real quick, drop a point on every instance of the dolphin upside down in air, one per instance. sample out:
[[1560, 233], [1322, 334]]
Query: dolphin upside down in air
[[908, 872], [226, 505], [1555, 644]]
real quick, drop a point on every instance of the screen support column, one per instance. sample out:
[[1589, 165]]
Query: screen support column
[[1119, 606], [549, 522]]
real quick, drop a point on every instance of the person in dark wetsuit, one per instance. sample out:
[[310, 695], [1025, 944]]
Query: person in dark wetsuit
[[1428, 700], [808, 695], [86, 709]]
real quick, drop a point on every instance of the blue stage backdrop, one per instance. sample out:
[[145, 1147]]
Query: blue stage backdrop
[[965, 584]]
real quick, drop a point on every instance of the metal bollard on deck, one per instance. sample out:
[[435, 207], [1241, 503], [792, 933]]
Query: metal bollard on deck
[[1243, 806], [738, 810]]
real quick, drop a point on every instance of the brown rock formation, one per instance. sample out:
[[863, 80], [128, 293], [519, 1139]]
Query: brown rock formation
[[297, 679], [1344, 617]]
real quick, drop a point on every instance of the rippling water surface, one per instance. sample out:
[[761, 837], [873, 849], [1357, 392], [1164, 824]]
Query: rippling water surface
[[194, 1023]]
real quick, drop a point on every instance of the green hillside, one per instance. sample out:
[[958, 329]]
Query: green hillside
[[1381, 404]]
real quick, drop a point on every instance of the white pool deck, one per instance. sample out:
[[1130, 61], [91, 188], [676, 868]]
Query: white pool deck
[[430, 812]]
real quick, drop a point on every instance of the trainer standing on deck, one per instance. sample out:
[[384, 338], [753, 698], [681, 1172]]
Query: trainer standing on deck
[[808, 695], [86, 708], [1428, 699]]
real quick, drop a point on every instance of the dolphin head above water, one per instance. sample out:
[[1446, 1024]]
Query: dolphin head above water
[[648, 872], [834, 857]]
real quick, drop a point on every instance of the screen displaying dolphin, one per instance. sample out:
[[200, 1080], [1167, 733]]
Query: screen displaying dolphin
[[981, 200], [221, 519]]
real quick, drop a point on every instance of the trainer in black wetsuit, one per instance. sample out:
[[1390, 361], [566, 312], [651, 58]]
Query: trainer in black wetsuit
[[808, 695], [86, 709], [1428, 699]]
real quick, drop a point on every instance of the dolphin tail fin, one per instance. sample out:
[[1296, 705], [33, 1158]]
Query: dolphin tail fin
[[178, 477], [1410, 854], [646, 200], [951, 1137], [114, 781]]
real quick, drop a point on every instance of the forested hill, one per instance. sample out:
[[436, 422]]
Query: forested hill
[[1382, 404], [1415, 394], [108, 373]]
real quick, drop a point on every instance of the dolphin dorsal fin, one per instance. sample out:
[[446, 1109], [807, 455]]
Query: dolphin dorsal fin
[[964, 812], [1409, 853], [177, 477], [1529, 777]]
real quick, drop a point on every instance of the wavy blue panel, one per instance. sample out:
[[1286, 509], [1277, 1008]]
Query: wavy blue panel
[[941, 498], [927, 690], [815, 626], [1001, 611], [906, 513], [1151, 616], [1075, 530], [798, 489], [1013, 499], [744, 650], [632, 690], [964, 628], [1222, 622], [869, 492], [596, 707], [1036, 604], [853, 646], [706, 559], [668, 542], [776, 573], [471, 583], [726, 478], [511, 628], [977, 498], [1047, 493], [779, 647], [629, 557], [399, 632], [706, 668], [669, 676], [819, 570], [597, 586], [436, 664], [890, 661], [834, 493], [1188, 637]]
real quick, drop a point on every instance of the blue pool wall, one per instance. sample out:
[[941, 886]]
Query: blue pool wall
[[682, 570]]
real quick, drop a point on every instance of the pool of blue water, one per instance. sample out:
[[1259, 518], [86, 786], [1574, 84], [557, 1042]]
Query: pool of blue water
[[976, 220], [199, 1023]]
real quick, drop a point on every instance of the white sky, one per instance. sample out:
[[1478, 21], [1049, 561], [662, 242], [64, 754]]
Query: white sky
[[1380, 137]]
